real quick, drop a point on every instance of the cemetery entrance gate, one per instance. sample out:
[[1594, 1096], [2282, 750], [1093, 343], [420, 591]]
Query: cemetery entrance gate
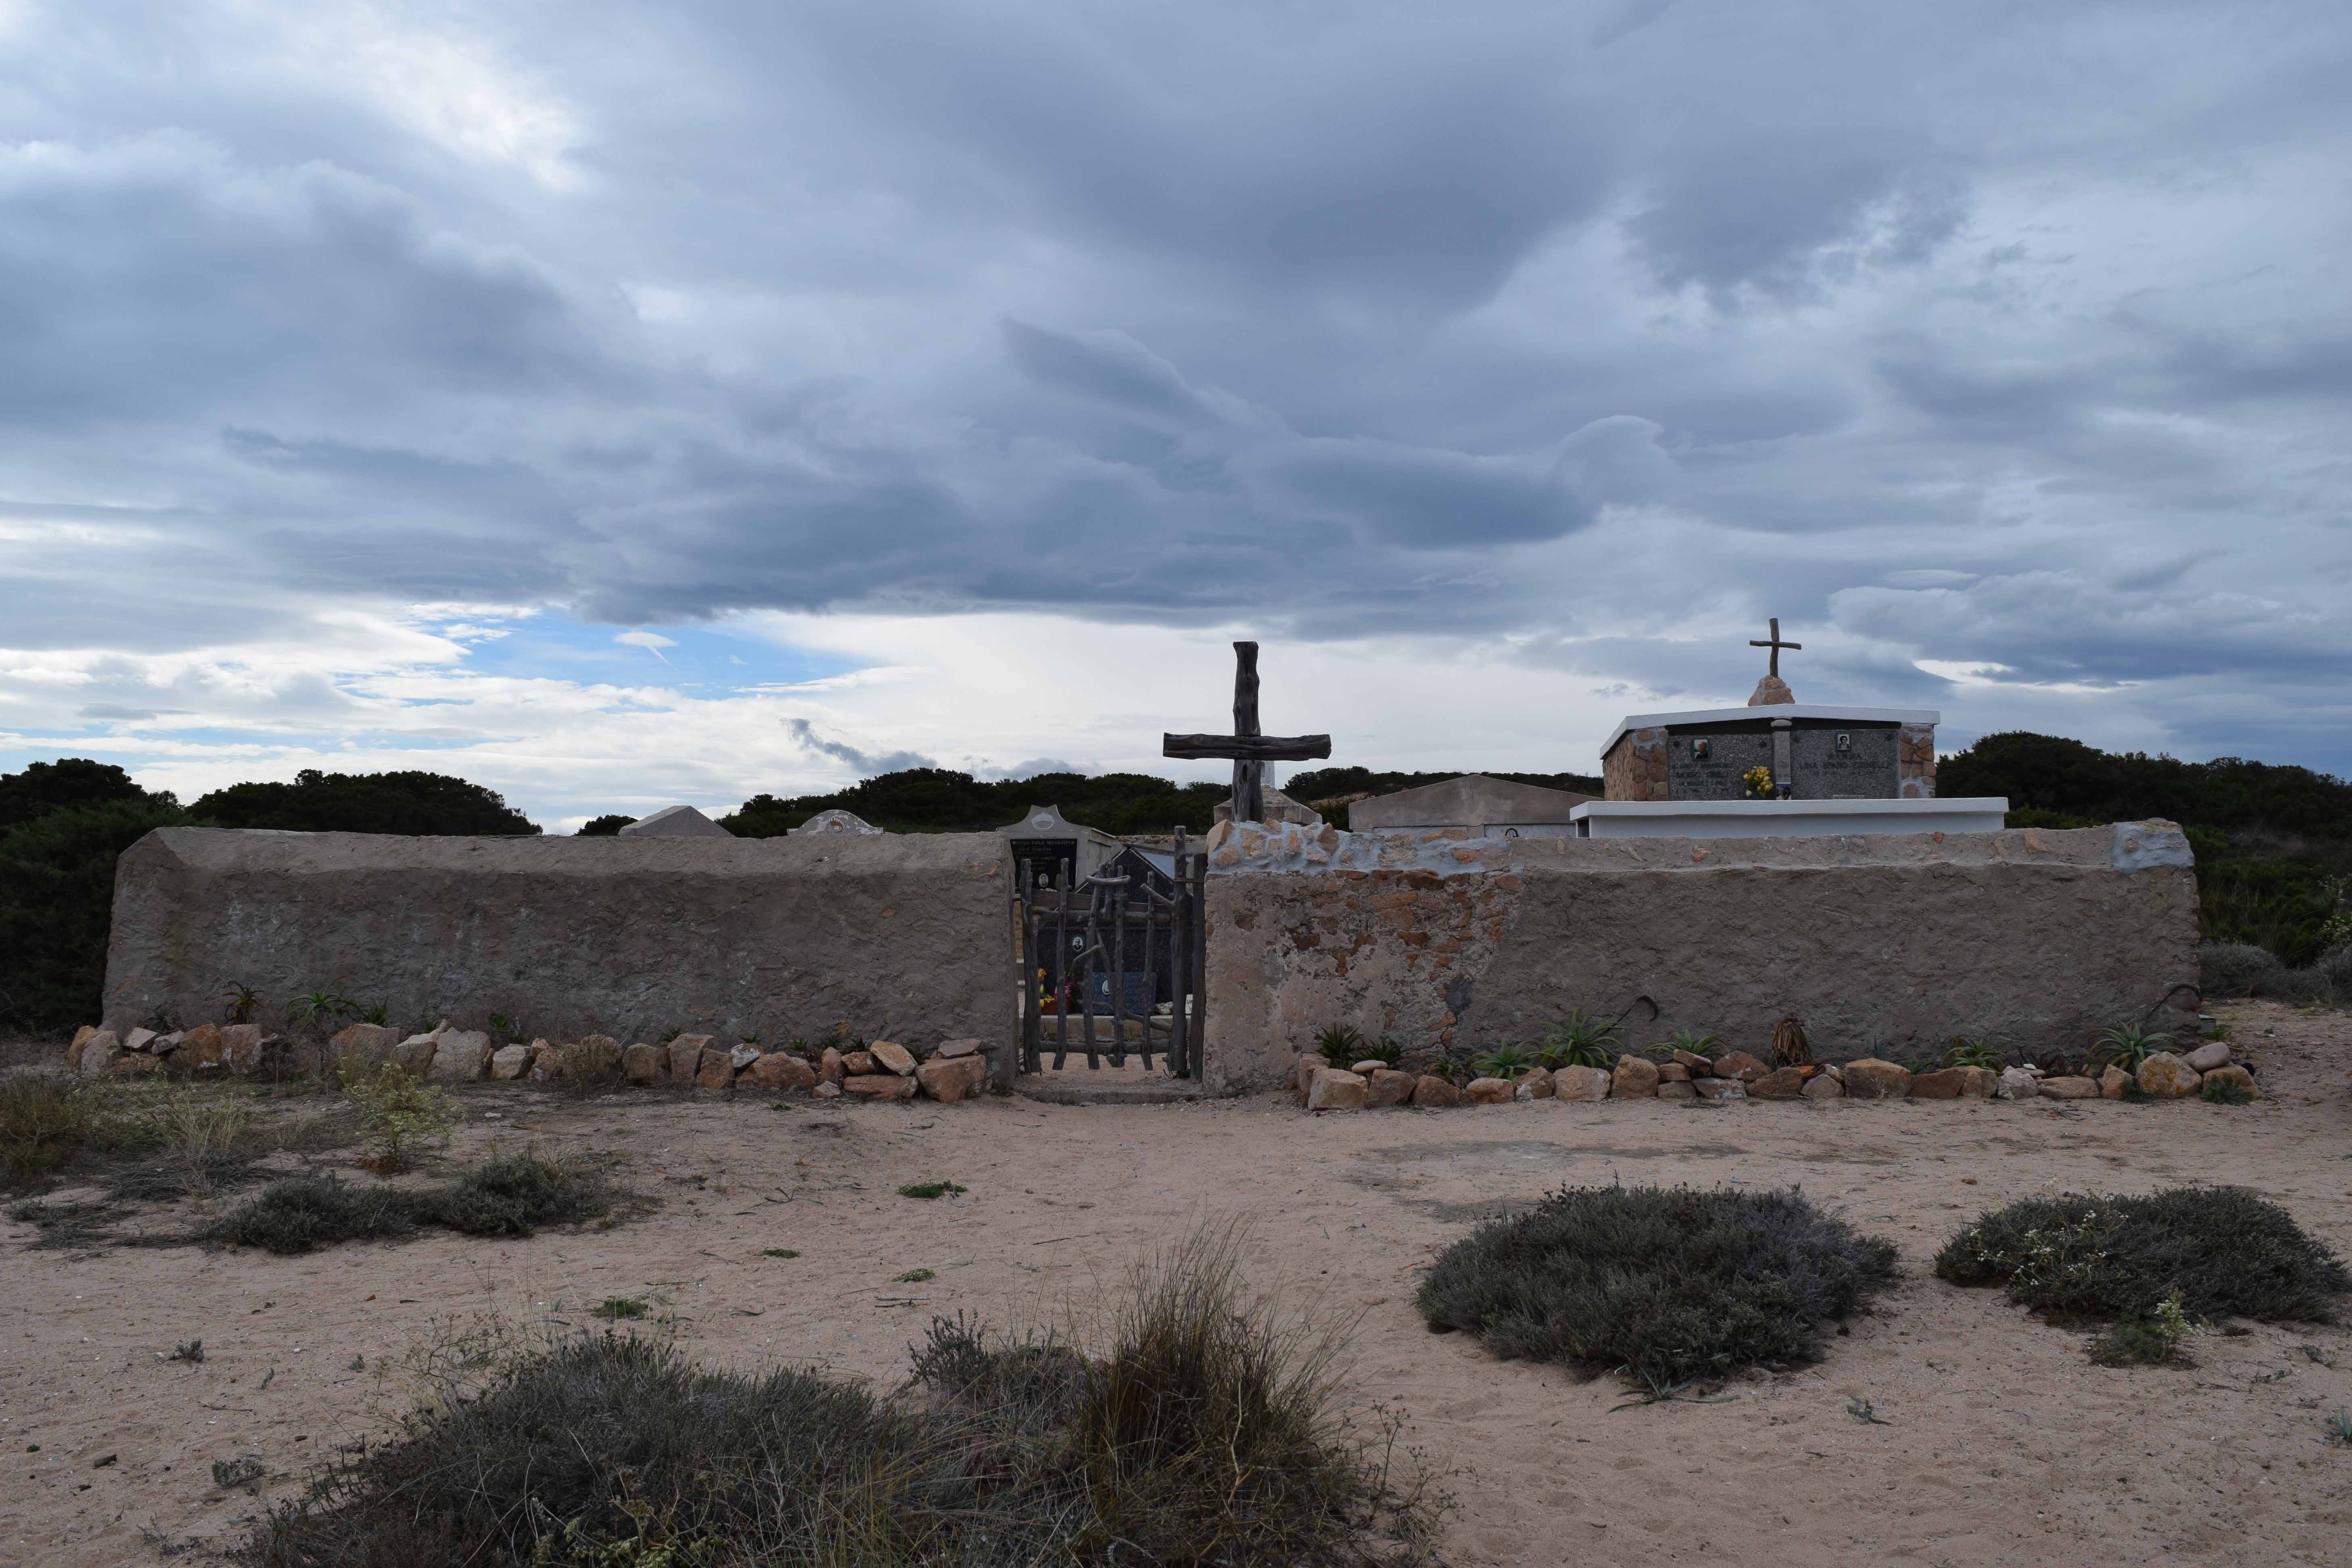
[[1116, 963]]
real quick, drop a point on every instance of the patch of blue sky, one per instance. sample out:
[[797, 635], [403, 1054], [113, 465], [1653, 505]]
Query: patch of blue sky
[[706, 659]]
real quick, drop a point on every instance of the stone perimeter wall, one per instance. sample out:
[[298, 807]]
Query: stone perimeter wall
[[899, 936], [1882, 943]]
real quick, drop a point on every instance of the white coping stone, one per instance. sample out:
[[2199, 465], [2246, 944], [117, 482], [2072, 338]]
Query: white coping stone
[[1787, 819], [1832, 712], [675, 822]]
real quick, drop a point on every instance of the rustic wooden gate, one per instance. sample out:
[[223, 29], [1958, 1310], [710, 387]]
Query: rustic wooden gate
[[1114, 950]]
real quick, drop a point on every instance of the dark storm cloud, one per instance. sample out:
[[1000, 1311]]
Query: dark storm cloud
[[1600, 328]]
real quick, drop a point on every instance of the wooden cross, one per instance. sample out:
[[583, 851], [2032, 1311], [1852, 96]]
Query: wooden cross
[[1776, 645], [1249, 750]]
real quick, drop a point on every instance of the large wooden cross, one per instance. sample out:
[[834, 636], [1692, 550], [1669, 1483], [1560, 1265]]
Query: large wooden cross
[[1249, 750], [1776, 645]]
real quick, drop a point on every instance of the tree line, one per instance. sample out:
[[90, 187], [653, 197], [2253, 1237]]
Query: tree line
[[2273, 841]]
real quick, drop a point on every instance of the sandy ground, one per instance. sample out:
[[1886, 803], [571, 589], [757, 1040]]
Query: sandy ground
[[2002, 1442]]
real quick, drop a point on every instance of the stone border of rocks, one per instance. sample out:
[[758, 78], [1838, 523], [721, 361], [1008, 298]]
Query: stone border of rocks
[[1692, 1079], [954, 1070]]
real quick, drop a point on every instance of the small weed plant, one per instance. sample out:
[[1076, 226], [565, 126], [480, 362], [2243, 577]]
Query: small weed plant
[[615, 1308], [318, 1009], [2154, 1267], [1662, 1285], [2225, 1092], [398, 1111], [929, 1189], [1386, 1052], [45, 1121], [243, 1470]]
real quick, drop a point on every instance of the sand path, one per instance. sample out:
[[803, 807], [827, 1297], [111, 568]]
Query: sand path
[[2003, 1444]]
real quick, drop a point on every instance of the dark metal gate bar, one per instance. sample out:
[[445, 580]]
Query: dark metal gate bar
[[1117, 948]]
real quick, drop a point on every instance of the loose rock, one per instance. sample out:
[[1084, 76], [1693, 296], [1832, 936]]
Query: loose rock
[[1367, 1067], [892, 1057], [1579, 1084], [2232, 1074], [2016, 1083], [1692, 1062], [1719, 1089], [139, 1039], [1432, 1090], [2070, 1087], [1944, 1083], [827, 1089], [1871, 1078], [953, 1048], [1488, 1091], [460, 1054], [2213, 1053], [1635, 1078], [1781, 1083], [1336, 1091], [509, 1061], [200, 1048], [686, 1056], [1536, 1083], [2168, 1076], [1676, 1089], [1385, 1086], [1824, 1086], [859, 1064], [1675, 1072], [950, 1079], [743, 1056], [716, 1070], [829, 1067], [2113, 1082], [1742, 1066], [879, 1086], [780, 1070], [642, 1063]]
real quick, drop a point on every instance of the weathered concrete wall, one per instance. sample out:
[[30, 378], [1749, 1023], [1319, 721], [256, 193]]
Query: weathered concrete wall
[[1882, 943], [898, 934]]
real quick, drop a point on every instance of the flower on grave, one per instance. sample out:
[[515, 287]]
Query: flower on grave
[[1758, 781]]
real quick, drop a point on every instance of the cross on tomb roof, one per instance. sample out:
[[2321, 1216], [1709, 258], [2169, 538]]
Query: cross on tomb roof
[[1776, 645], [1249, 750]]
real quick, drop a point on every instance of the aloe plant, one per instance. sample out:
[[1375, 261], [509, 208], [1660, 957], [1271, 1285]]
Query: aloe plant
[[1504, 1061], [1340, 1045], [1577, 1041], [2127, 1047], [1968, 1053], [1385, 1051]]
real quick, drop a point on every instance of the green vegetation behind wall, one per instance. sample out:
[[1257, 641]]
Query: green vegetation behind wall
[[2273, 842]]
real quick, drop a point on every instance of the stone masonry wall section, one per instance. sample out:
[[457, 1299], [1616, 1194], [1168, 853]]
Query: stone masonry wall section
[[1915, 762], [1635, 767], [1877, 943], [570, 936]]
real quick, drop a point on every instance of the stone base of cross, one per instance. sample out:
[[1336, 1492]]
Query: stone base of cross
[[1249, 750]]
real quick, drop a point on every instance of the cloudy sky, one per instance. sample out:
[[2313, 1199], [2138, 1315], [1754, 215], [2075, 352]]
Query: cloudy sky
[[626, 404]]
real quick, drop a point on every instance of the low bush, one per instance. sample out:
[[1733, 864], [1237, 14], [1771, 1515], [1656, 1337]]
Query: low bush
[[398, 1111], [1666, 1285], [512, 1195], [2225, 1251], [1206, 1435], [45, 1121]]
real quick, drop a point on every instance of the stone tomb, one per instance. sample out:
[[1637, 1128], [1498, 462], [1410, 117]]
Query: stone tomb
[[1831, 754]]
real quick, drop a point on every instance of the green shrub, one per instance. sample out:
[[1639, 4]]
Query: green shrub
[[1207, 1434], [514, 1195], [306, 1212], [2151, 1338], [2225, 1092], [398, 1111], [2226, 1253], [45, 1121], [1974, 1053], [613, 1307], [1667, 1285]]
